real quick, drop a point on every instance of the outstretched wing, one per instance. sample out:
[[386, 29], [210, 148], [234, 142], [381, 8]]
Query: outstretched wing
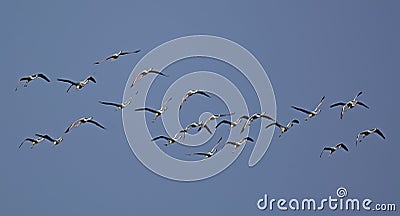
[[160, 137], [67, 81], [166, 102], [231, 143], [248, 139], [43, 77], [74, 124], [157, 72], [337, 104], [45, 136], [27, 139], [184, 98], [207, 128], [147, 109], [97, 124], [202, 153], [267, 117], [24, 79], [362, 104], [320, 103], [90, 78], [325, 149], [136, 79], [246, 124], [202, 93], [103, 60], [357, 95], [216, 145], [295, 121], [110, 103], [272, 124], [301, 110], [379, 132], [342, 145], [224, 122], [126, 53]]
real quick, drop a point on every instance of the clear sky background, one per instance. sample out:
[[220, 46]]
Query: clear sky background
[[308, 48]]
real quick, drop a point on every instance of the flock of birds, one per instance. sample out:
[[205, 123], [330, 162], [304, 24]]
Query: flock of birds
[[181, 135], [78, 85]]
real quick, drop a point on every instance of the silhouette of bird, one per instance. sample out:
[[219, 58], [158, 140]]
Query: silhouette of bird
[[365, 133], [310, 113], [254, 117], [211, 152], [282, 127], [190, 93], [49, 138], [114, 56], [349, 105], [239, 143], [234, 123], [144, 73], [83, 120], [33, 141], [214, 117], [158, 112], [119, 106], [78, 85], [29, 78], [168, 139], [333, 149], [193, 125]]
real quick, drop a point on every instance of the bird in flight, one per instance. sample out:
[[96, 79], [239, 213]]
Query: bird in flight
[[365, 133], [214, 117], [49, 138], [333, 149], [200, 125], [114, 56], [310, 113], [190, 93], [33, 141], [119, 106], [29, 78], [211, 152], [168, 139], [144, 73], [78, 85], [83, 120], [158, 112], [254, 117], [239, 143], [282, 127], [349, 105], [234, 123]]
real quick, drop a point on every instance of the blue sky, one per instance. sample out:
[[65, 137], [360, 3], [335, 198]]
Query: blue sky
[[309, 49]]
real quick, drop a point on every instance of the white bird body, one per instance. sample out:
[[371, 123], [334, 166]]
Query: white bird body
[[349, 105], [78, 85]]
